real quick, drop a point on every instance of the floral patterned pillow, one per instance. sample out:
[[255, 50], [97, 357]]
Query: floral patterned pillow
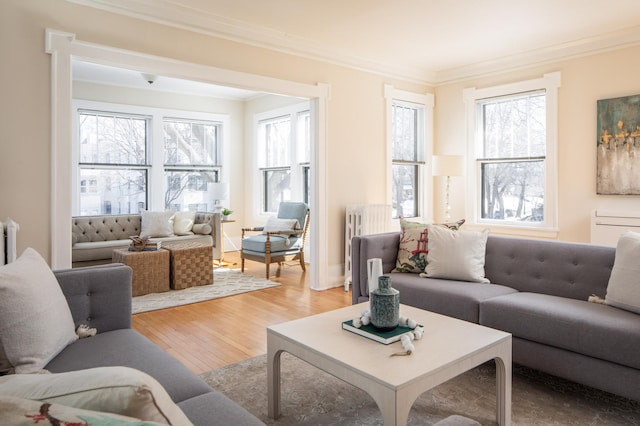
[[414, 243]]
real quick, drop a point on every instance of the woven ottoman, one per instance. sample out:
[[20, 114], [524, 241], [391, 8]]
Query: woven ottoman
[[150, 269], [191, 264]]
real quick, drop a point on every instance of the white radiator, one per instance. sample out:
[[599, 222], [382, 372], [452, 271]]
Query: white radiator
[[607, 226], [8, 251], [363, 219]]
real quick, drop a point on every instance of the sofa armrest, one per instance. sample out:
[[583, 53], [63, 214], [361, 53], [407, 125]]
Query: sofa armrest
[[215, 221], [384, 246], [98, 296]]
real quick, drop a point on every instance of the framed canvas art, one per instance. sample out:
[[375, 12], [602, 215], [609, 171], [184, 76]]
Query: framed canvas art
[[618, 143]]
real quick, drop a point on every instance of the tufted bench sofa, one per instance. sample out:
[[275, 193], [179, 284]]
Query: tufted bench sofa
[[95, 237], [539, 293]]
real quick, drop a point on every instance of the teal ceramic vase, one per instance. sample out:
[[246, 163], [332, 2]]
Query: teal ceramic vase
[[385, 305]]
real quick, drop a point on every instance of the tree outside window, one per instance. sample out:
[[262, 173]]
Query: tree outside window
[[407, 159], [512, 136], [512, 159], [283, 154], [112, 162]]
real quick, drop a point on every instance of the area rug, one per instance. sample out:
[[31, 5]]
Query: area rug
[[310, 396], [226, 282]]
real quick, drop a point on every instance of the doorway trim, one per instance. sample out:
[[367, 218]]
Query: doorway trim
[[64, 48]]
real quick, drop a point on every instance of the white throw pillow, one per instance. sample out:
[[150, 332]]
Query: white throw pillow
[[26, 412], [118, 390], [156, 224], [456, 255], [275, 224], [35, 320], [183, 222], [623, 290], [202, 229]]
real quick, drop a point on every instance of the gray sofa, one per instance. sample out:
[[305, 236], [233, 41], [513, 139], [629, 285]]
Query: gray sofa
[[100, 297], [95, 237], [538, 293]]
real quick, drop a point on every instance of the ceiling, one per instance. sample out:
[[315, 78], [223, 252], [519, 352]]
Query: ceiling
[[429, 41], [112, 76]]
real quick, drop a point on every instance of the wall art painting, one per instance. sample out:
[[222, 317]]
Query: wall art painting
[[619, 146]]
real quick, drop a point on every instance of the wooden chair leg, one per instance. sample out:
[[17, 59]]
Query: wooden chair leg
[[302, 265], [267, 265], [242, 263]]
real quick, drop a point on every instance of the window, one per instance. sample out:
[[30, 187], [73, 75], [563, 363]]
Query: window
[[407, 160], [514, 151], [113, 164], [409, 117], [283, 142], [191, 161], [144, 158]]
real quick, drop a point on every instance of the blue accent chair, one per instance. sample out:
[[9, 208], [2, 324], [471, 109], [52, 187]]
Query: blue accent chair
[[277, 246]]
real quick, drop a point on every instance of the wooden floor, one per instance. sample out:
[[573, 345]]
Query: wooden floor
[[215, 333]]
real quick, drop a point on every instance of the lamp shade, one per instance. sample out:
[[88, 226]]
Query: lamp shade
[[447, 165], [220, 191]]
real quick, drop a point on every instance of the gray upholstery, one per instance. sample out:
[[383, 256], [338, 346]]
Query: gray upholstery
[[592, 329], [452, 298], [457, 420], [539, 294], [101, 297], [95, 237], [550, 267]]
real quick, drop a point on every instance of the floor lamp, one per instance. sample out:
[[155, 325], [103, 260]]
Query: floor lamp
[[447, 165]]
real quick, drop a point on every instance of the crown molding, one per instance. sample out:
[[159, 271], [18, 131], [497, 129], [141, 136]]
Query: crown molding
[[174, 14], [166, 12], [620, 39]]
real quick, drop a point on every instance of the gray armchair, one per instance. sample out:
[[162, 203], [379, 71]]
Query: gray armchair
[[277, 244]]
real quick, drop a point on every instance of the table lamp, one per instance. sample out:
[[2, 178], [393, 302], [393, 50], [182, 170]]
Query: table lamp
[[219, 192]]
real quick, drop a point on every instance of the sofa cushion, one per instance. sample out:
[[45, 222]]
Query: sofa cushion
[[456, 299], [623, 289], [35, 319], [456, 255], [25, 412], [279, 243], [117, 390], [595, 330], [156, 224], [130, 348]]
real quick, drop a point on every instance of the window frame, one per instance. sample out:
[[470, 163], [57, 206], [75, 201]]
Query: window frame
[[473, 98], [297, 161], [156, 178], [424, 181]]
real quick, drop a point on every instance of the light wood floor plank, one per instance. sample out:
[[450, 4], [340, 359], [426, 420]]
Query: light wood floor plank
[[215, 333]]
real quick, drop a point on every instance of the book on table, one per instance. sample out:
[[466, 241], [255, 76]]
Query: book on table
[[371, 332]]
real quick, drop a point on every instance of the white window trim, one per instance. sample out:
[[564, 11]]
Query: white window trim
[[426, 102], [155, 185], [549, 228]]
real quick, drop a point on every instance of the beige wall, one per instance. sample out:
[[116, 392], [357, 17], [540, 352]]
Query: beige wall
[[584, 81], [356, 145]]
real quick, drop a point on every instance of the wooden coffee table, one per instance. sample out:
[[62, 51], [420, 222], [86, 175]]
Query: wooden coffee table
[[449, 347]]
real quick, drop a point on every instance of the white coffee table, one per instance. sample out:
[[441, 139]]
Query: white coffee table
[[449, 347]]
